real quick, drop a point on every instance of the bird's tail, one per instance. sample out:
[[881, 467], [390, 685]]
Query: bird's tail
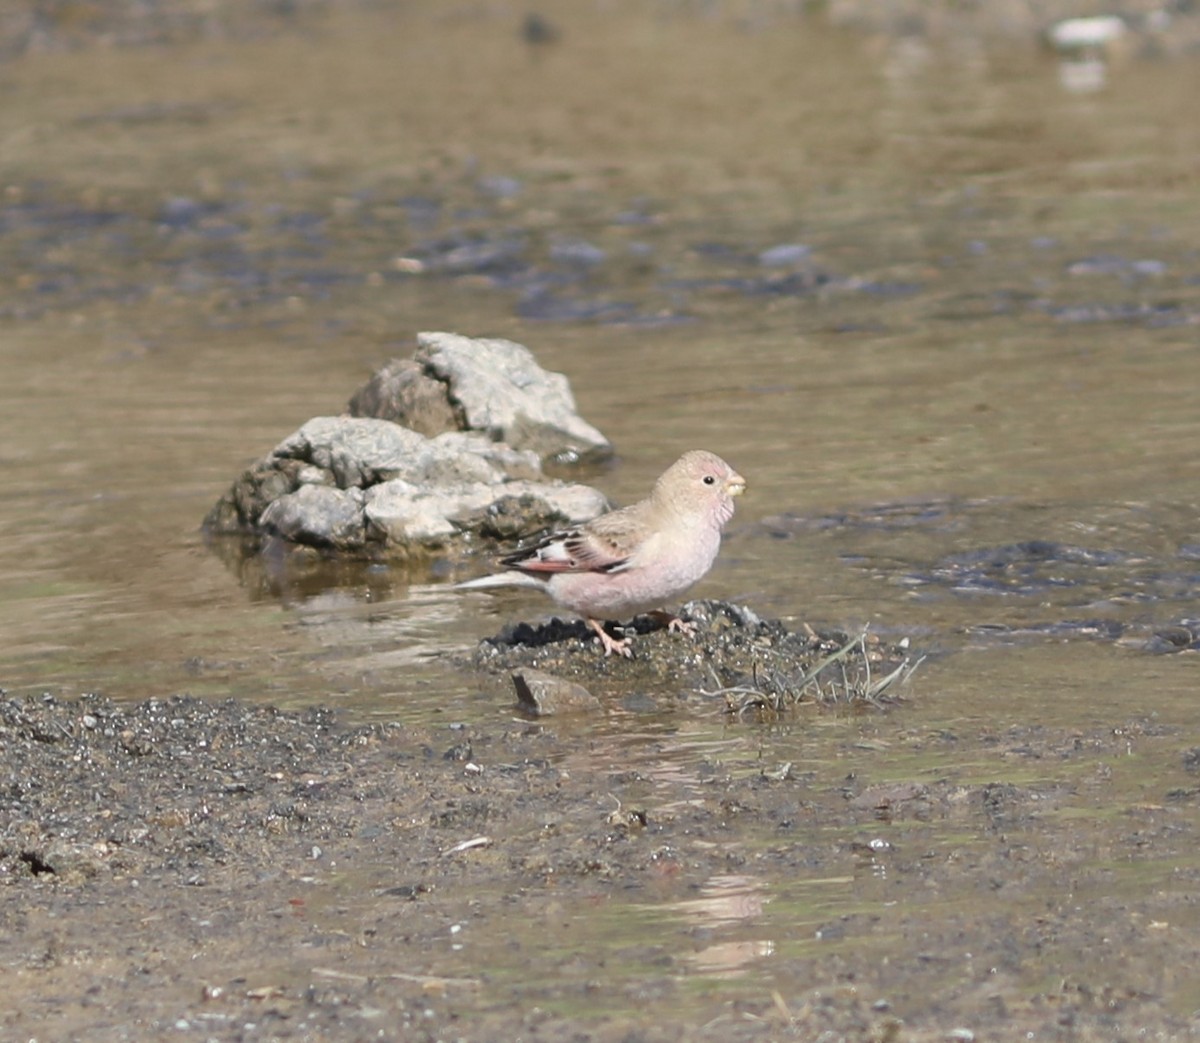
[[512, 578]]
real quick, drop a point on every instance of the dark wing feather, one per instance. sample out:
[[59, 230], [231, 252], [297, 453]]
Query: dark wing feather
[[576, 550]]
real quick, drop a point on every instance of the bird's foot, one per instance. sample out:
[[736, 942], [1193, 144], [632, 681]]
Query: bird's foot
[[611, 644], [673, 623]]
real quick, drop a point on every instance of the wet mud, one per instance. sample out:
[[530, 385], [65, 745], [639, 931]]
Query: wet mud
[[241, 873], [729, 656]]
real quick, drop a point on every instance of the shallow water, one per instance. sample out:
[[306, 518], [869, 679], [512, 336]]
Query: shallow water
[[991, 332]]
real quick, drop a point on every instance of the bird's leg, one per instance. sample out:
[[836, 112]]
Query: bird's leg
[[611, 644], [672, 622]]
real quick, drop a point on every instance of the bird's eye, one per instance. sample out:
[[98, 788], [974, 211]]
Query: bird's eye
[[709, 480]]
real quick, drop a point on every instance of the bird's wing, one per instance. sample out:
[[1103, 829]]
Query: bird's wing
[[604, 545]]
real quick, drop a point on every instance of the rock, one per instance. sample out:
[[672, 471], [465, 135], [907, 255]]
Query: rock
[[542, 694], [318, 516], [889, 796], [492, 387], [1076, 34], [403, 513], [357, 484], [503, 392], [402, 391], [785, 254], [578, 253], [538, 31], [442, 448], [351, 451], [361, 452], [67, 862]]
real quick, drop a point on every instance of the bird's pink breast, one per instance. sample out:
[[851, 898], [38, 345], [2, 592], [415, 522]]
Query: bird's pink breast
[[646, 584]]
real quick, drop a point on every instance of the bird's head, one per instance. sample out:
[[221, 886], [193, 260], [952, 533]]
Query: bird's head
[[700, 483]]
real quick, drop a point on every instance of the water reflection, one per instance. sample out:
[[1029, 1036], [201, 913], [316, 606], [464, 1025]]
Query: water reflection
[[728, 901], [1083, 75]]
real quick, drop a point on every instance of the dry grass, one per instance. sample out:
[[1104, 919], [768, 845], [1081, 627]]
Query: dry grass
[[843, 677]]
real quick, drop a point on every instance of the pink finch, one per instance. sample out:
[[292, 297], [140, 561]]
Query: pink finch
[[635, 559]]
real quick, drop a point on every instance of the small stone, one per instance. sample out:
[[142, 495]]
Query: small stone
[[1073, 34], [577, 252], [785, 254], [543, 694]]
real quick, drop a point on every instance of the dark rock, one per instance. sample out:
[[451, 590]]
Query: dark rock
[[404, 393], [537, 30], [542, 694]]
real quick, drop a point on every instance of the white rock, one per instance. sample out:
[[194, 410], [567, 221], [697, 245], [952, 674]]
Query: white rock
[[1074, 34]]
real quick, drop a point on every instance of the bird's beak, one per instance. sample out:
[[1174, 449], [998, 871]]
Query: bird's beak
[[736, 484]]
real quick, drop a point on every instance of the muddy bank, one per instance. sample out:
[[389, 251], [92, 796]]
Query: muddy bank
[[732, 658], [221, 871]]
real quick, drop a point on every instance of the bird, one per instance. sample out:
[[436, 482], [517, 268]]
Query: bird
[[634, 559]]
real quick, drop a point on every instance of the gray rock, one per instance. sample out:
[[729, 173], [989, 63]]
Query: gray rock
[[352, 483], [460, 457], [493, 387], [479, 417], [319, 516], [402, 391], [503, 392], [355, 452], [402, 513], [358, 451], [543, 695], [785, 254]]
